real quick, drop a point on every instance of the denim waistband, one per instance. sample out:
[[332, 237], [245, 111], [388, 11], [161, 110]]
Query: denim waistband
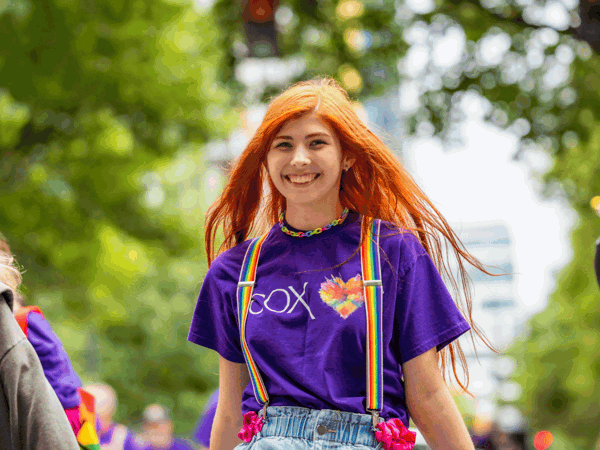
[[319, 425]]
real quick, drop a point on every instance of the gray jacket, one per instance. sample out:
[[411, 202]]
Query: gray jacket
[[31, 417]]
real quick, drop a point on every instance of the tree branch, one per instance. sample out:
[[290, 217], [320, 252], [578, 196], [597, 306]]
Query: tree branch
[[517, 18]]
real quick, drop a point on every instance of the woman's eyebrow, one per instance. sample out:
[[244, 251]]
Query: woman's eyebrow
[[290, 138]]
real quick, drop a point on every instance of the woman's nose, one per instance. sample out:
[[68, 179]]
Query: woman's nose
[[300, 156]]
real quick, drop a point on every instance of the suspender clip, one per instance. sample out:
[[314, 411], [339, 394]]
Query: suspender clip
[[245, 283], [263, 412], [372, 283], [375, 416]]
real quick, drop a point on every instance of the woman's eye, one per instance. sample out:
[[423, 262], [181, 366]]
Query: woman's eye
[[288, 145]]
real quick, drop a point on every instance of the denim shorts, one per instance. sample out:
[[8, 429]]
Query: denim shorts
[[294, 428]]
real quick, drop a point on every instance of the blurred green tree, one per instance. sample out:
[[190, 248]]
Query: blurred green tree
[[559, 356], [532, 65], [103, 105], [99, 97]]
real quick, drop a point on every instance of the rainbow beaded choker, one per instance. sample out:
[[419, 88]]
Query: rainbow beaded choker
[[337, 221]]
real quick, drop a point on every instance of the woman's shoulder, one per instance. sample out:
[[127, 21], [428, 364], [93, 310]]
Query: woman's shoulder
[[399, 235], [402, 242], [230, 261]]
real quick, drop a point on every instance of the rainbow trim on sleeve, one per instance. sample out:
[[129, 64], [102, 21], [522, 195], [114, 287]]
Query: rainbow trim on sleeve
[[244, 297], [373, 292]]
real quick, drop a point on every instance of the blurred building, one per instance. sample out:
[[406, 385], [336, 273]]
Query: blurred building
[[386, 115], [499, 313]]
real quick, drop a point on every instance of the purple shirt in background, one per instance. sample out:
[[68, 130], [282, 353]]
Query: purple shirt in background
[[106, 438], [55, 361], [178, 444], [306, 328], [204, 427]]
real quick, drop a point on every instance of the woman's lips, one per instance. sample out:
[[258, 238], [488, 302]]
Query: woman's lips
[[302, 179]]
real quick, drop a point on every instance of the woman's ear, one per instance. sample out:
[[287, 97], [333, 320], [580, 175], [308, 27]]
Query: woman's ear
[[348, 163]]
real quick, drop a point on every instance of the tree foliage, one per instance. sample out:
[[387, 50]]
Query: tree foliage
[[100, 102], [560, 354], [540, 82], [104, 105]]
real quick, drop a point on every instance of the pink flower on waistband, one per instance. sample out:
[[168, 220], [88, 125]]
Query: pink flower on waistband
[[253, 423], [395, 436]]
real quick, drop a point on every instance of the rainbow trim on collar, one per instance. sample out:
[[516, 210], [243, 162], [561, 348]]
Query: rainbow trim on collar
[[373, 292], [244, 296]]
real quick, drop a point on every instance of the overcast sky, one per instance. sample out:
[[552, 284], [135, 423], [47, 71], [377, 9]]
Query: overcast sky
[[481, 183]]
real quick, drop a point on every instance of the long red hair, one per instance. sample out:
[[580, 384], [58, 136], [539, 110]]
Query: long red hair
[[377, 186]]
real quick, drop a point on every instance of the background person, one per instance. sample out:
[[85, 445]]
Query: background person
[[78, 405], [55, 362], [157, 430], [205, 423], [54, 359], [112, 435], [31, 416]]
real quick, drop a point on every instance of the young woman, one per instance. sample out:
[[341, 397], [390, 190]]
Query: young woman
[[341, 292]]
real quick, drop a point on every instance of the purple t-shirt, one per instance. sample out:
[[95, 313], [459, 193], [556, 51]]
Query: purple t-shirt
[[177, 444], [55, 361], [311, 354], [204, 427]]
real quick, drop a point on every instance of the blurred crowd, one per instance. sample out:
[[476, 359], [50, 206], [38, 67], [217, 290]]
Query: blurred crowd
[[156, 431], [44, 404], [493, 437]]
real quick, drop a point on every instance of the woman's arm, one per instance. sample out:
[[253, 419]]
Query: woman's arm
[[233, 379], [431, 405]]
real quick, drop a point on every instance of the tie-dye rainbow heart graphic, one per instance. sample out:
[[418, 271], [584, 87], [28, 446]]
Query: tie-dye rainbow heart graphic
[[345, 298]]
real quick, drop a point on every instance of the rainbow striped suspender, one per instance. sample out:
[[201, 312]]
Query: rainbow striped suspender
[[244, 298], [373, 293]]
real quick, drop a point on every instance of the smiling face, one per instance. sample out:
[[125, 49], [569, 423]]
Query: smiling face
[[305, 163]]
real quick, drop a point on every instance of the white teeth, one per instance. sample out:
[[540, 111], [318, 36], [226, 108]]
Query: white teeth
[[302, 178]]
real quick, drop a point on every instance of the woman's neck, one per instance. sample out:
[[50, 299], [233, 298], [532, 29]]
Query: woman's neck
[[308, 217]]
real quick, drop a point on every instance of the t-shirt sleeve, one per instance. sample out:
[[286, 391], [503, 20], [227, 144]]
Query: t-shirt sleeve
[[426, 315], [55, 361], [214, 324]]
